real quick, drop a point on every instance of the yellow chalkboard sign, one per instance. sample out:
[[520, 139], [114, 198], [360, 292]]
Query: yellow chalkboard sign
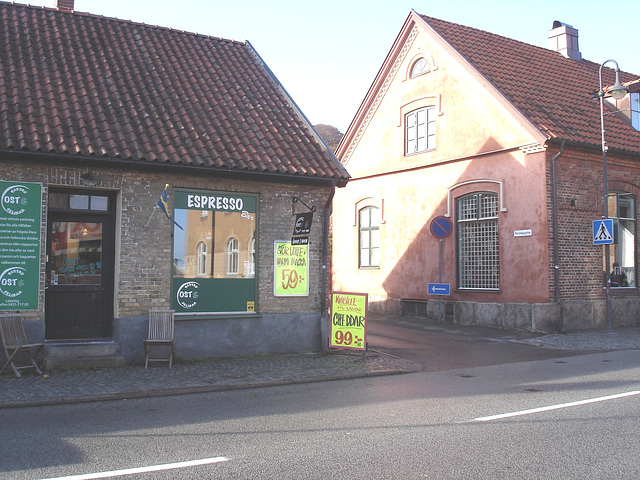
[[348, 320], [291, 269]]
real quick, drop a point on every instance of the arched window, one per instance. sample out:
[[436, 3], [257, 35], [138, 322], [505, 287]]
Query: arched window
[[420, 67], [233, 257], [201, 256], [369, 241]]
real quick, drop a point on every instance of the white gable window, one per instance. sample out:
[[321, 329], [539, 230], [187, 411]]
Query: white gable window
[[420, 130], [635, 110], [420, 67]]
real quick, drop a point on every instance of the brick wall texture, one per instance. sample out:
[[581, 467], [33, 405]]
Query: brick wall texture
[[144, 252], [580, 191]]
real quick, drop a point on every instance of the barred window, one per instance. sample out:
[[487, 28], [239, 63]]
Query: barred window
[[369, 243], [478, 249]]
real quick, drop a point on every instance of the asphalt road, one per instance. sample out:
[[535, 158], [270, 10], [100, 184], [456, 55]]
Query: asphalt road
[[445, 347], [566, 417]]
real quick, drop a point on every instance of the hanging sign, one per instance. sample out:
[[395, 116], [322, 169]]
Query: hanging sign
[[20, 214], [348, 320], [303, 223], [291, 269]]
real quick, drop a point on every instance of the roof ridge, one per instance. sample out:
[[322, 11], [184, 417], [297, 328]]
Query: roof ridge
[[120, 20]]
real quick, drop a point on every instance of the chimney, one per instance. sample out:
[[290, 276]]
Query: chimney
[[66, 5], [563, 39]]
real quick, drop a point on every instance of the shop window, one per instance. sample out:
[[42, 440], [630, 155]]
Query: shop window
[[209, 251], [420, 130], [369, 241], [478, 249], [622, 255]]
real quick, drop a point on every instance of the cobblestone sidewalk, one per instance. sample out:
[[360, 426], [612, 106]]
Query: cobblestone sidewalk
[[133, 381]]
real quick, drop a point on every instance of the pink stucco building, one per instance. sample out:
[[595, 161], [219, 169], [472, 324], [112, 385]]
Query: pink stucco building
[[500, 141]]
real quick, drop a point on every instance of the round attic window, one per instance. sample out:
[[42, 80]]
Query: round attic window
[[420, 67]]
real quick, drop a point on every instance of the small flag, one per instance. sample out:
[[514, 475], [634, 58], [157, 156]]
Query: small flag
[[162, 203]]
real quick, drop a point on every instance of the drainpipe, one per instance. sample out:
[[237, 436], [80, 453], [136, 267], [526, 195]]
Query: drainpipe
[[324, 327], [556, 255]]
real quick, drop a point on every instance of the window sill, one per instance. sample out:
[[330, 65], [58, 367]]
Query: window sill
[[214, 315]]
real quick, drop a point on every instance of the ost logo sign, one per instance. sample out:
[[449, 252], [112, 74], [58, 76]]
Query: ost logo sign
[[187, 295], [14, 199], [12, 282]]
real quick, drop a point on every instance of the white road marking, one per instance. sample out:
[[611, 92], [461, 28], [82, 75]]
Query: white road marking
[[556, 407], [152, 468]]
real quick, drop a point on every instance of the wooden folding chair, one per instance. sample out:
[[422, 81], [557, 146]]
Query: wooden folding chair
[[14, 341], [160, 335]]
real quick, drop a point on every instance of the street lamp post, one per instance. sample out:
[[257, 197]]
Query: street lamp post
[[617, 91]]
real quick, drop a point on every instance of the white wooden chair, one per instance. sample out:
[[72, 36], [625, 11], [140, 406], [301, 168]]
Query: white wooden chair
[[14, 342], [160, 337]]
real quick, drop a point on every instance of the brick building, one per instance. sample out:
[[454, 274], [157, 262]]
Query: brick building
[[97, 117], [476, 163]]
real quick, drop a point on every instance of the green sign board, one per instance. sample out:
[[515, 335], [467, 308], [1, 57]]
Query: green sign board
[[20, 219]]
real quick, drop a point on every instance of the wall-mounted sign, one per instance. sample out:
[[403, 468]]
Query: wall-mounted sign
[[20, 217], [291, 269], [603, 232], [348, 320], [527, 232], [303, 223], [439, 288]]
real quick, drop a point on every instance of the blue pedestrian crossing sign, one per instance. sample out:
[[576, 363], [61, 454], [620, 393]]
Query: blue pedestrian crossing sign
[[603, 233]]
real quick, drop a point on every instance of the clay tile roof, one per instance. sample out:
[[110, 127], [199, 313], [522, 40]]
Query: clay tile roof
[[96, 87], [555, 93]]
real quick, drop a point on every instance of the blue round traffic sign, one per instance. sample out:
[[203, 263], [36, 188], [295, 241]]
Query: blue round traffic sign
[[441, 227]]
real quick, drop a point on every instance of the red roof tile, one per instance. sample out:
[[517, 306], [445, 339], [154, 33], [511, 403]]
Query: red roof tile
[[554, 92], [80, 84]]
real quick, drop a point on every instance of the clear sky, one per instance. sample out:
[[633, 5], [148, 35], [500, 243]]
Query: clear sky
[[326, 53]]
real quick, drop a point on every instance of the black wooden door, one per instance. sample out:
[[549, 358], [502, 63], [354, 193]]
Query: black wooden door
[[80, 265]]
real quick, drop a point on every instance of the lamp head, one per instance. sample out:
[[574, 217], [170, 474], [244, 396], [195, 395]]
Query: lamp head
[[618, 90]]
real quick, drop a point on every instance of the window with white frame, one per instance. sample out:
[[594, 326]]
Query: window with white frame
[[420, 67], [251, 268], [622, 255], [233, 256], [635, 110], [420, 130], [369, 241], [478, 247], [201, 256]]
